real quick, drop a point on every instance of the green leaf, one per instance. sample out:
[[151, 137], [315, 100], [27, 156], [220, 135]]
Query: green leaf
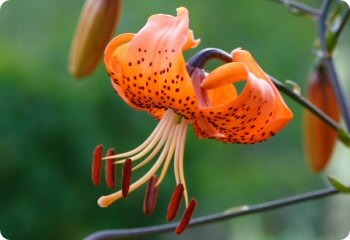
[[344, 137], [338, 185], [332, 40]]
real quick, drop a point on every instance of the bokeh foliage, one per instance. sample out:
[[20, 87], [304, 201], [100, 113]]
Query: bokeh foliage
[[50, 124]]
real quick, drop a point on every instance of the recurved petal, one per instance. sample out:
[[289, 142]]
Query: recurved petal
[[282, 112], [117, 47], [253, 116], [243, 119], [191, 42], [150, 69], [226, 74]]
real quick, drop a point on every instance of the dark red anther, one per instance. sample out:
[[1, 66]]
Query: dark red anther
[[97, 165], [175, 202], [110, 170], [126, 179], [150, 202], [186, 217]]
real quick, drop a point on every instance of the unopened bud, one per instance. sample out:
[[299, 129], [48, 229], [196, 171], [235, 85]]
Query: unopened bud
[[95, 28], [320, 138]]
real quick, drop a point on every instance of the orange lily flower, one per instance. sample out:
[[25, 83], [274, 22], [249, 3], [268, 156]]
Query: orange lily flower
[[253, 116], [149, 73]]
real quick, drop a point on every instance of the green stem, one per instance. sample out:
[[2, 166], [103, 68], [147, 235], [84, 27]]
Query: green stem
[[327, 58], [300, 7], [228, 214], [346, 17]]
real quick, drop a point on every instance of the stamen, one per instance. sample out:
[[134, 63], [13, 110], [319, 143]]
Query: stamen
[[168, 134], [167, 152], [170, 154], [179, 158], [150, 141], [181, 161], [186, 217], [105, 201], [151, 196], [97, 165], [175, 202], [110, 170], [126, 179]]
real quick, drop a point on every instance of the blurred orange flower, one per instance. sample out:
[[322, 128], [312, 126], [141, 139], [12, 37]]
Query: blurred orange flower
[[320, 139]]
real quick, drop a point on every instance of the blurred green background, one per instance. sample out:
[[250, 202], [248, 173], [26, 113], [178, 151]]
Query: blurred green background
[[50, 124]]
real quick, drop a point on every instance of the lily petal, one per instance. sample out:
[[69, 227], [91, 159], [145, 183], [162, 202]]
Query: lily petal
[[150, 71], [258, 113], [282, 114], [226, 74]]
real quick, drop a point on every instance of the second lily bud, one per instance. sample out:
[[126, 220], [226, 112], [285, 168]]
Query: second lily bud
[[320, 138], [95, 28]]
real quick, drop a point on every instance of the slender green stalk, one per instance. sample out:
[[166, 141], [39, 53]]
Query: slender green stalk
[[300, 7], [327, 58], [342, 24], [306, 104], [228, 214]]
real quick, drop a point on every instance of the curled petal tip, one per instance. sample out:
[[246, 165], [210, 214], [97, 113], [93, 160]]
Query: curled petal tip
[[181, 11], [257, 113], [225, 74]]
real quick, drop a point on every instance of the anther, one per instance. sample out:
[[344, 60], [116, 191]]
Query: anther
[[149, 204], [110, 170], [97, 165], [186, 217], [175, 202], [126, 179]]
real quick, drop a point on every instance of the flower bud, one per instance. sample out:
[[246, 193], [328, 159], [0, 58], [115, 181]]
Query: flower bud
[[321, 138], [95, 28]]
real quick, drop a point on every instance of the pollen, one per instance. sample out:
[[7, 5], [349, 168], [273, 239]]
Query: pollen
[[127, 172], [175, 202], [110, 170], [151, 196], [186, 217], [97, 165]]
